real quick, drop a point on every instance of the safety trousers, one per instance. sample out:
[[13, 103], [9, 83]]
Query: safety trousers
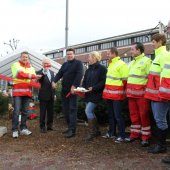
[[139, 109]]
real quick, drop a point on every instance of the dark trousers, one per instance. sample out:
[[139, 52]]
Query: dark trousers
[[69, 109], [114, 112], [46, 109], [21, 104]]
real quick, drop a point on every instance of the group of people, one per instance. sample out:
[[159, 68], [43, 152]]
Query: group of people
[[144, 82]]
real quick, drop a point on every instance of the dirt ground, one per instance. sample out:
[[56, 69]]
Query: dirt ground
[[52, 151]]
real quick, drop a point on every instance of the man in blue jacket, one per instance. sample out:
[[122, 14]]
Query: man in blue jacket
[[71, 73]]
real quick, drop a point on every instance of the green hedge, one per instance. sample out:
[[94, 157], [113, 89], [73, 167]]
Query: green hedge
[[100, 111], [3, 104]]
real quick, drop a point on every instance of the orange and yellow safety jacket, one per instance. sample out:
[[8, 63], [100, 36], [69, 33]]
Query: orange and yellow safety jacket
[[154, 77], [138, 76], [164, 89], [116, 80], [22, 75]]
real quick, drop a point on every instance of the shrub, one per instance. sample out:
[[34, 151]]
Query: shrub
[[100, 111], [3, 104]]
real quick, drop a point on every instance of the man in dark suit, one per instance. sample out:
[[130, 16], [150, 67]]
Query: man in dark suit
[[71, 73], [46, 96]]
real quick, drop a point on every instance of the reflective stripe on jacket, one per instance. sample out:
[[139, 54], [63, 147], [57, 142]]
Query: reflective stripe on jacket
[[116, 78], [22, 75], [138, 76]]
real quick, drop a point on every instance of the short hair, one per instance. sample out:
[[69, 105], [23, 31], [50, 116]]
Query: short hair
[[46, 59], [139, 46], [159, 37], [24, 52], [71, 49], [96, 55], [114, 50]]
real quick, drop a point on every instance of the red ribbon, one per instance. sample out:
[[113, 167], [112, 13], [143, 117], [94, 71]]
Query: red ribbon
[[32, 84]]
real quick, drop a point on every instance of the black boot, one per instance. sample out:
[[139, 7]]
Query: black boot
[[161, 145], [166, 160], [93, 130], [71, 133]]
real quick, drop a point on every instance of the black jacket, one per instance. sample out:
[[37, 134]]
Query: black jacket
[[46, 92], [71, 73], [94, 77]]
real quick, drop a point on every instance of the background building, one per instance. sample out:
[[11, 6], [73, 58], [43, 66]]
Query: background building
[[122, 42]]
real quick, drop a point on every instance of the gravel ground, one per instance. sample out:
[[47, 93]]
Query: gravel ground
[[52, 151]]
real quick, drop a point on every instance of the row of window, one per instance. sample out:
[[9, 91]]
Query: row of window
[[125, 59], [55, 55], [118, 43]]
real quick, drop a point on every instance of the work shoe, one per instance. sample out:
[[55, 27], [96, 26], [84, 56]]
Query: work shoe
[[157, 149], [119, 140], [25, 132], [145, 143], [129, 140], [108, 136], [43, 130], [166, 160], [91, 136], [65, 131], [15, 134], [50, 129], [70, 134]]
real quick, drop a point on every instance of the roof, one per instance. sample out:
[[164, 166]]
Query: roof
[[35, 60], [105, 40]]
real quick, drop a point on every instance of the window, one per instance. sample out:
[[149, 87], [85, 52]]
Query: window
[[58, 54], [127, 59], [107, 45], [143, 39], [80, 50], [104, 62], [92, 48], [3, 84], [168, 36], [51, 56]]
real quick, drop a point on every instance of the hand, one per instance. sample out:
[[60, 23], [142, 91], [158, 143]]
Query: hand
[[72, 89], [38, 76], [54, 85], [90, 89]]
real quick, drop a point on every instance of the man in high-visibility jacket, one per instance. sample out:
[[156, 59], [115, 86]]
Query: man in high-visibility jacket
[[138, 105], [22, 73], [159, 106], [114, 93]]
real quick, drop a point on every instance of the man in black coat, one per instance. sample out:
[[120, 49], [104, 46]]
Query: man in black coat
[[46, 96], [71, 73]]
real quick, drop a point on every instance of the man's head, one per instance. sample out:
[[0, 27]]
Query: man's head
[[137, 49], [70, 54], [168, 28], [112, 53], [46, 63], [24, 57], [158, 40]]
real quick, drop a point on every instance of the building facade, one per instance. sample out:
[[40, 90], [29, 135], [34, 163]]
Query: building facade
[[122, 42]]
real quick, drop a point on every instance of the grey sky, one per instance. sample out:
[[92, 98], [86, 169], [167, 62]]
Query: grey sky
[[40, 24]]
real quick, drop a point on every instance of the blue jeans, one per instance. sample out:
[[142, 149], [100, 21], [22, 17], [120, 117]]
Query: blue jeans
[[69, 109], [21, 104], [90, 110], [160, 110], [114, 110]]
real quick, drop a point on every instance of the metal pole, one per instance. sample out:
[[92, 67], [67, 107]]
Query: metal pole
[[161, 27], [66, 29]]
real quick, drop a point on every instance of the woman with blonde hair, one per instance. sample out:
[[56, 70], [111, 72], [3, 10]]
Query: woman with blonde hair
[[94, 81]]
